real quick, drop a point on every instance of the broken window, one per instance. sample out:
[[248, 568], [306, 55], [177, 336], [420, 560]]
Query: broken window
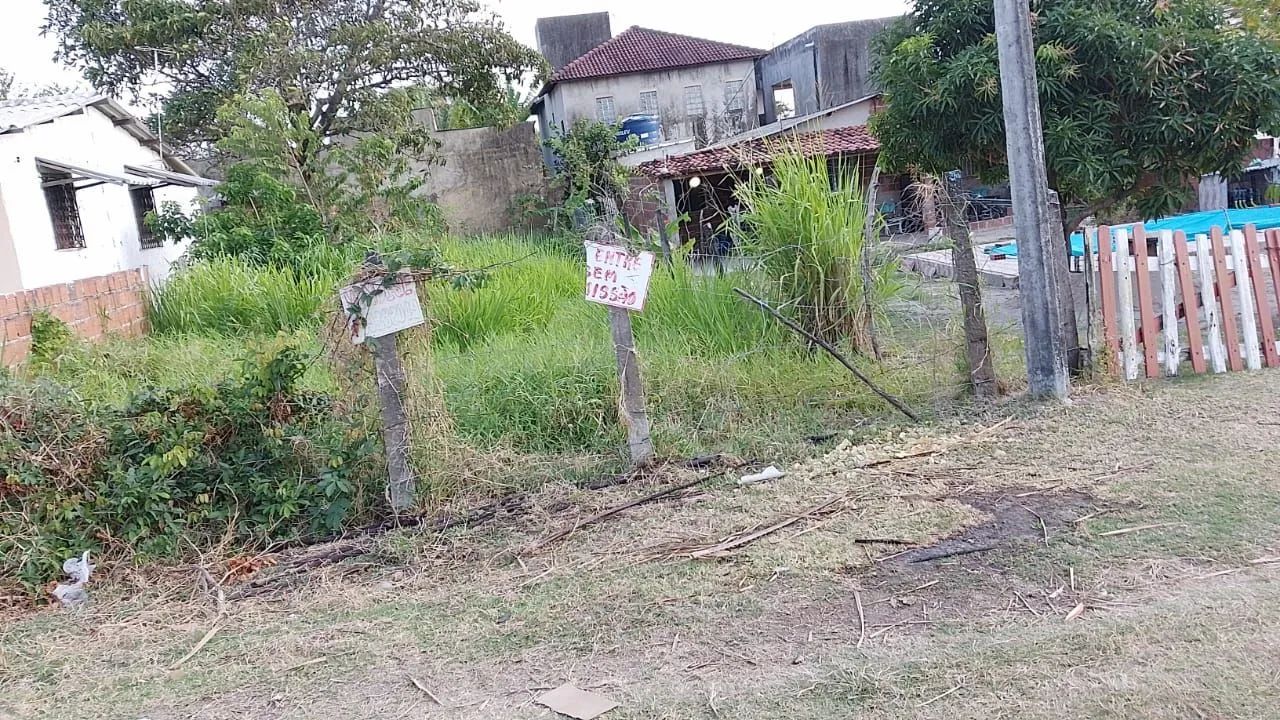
[[64, 210], [693, 105], [784, 100], [144, 203], [649, 102], [733, 99], [605, 112]]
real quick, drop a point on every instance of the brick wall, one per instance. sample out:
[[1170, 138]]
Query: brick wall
[[643, 206], [112, 304]]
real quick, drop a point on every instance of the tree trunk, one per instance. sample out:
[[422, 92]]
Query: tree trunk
[[977, 344]]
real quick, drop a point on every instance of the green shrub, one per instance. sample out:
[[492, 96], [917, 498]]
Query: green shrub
[[172, 472], [50, 338]]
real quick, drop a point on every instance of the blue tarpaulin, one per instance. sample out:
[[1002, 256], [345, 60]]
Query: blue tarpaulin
[[1197, 223]]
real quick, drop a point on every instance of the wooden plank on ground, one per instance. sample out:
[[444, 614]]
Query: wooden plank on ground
[[1248, 318], [1266, 326], [1107, 291], [1228, 316], [1209, 302], [1189, 302], [1124, 307], [1146, 302], [1169, 304]]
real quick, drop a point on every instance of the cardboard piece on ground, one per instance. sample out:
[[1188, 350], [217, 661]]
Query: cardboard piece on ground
[[580, 704]]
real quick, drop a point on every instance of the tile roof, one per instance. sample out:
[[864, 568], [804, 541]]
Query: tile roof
[[18, 115], [852, 140], [25, 112], [643, 50]]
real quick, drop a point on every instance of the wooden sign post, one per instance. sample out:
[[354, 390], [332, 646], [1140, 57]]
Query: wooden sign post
[[378, 308], [620, 280]]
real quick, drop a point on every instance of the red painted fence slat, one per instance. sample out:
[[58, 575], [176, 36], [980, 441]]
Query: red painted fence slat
[[1272, 238], [1190, 301]]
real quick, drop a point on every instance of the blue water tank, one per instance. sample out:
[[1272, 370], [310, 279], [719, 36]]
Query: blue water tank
[[648, 128]]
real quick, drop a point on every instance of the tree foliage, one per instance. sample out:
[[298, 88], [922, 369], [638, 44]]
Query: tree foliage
[[586, 162], [509, 108], [290, 190], [331, 61], [1136, 96]]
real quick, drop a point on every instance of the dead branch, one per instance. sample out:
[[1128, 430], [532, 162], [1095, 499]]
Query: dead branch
[[750, 537], [901, 406], [954, 553], [566, 532]]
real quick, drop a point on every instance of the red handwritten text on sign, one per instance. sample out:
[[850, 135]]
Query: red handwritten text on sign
[[616, 277]]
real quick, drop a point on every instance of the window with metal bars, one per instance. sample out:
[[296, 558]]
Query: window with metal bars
[[144, 202], [605, 112], [693, 105], [733, 99], [649, 102], [64, 211]]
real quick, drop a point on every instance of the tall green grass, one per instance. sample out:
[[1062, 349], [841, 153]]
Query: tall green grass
[[227, 295], [806, 225], [524, 364]]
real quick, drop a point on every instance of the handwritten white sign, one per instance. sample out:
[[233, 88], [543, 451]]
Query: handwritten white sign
[[393, 309], [616, 277]]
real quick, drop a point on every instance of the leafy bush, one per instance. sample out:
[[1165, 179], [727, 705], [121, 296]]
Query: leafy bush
[[586, 162], [50, 338], [174, 471], [262, 220], [808, 230]]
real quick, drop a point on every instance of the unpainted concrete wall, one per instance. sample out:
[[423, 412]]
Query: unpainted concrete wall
[[568, 101], [827, 65], [566, 38], [480, 174]]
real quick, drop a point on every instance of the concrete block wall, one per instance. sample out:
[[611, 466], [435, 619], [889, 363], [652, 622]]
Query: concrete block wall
[[92, 308]]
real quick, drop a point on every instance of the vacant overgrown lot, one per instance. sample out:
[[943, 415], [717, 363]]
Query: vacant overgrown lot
[[192, 433], [1122, 564]]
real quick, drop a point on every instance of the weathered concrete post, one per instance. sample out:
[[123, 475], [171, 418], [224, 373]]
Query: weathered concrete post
[[1038, 263]]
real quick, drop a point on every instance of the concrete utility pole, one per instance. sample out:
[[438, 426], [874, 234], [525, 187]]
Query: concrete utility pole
[[1038, 263]]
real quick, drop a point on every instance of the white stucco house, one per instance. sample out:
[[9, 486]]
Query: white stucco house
[[77, 175], [702, 91]]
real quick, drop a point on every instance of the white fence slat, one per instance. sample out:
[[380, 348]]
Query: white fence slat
[[1169, 304], [1244, 288], [1216, 350], [1124, 291]]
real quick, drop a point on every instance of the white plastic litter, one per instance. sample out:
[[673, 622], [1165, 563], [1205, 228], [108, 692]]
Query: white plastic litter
[[765, 475], [73, 594]]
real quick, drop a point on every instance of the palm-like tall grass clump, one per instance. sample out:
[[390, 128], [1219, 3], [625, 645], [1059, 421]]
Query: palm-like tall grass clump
[[807, 228]]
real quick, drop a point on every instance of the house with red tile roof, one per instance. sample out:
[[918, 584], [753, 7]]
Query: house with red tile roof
[[701, 90]]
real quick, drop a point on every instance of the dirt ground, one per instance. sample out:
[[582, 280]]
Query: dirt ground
[[1114, 558]]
